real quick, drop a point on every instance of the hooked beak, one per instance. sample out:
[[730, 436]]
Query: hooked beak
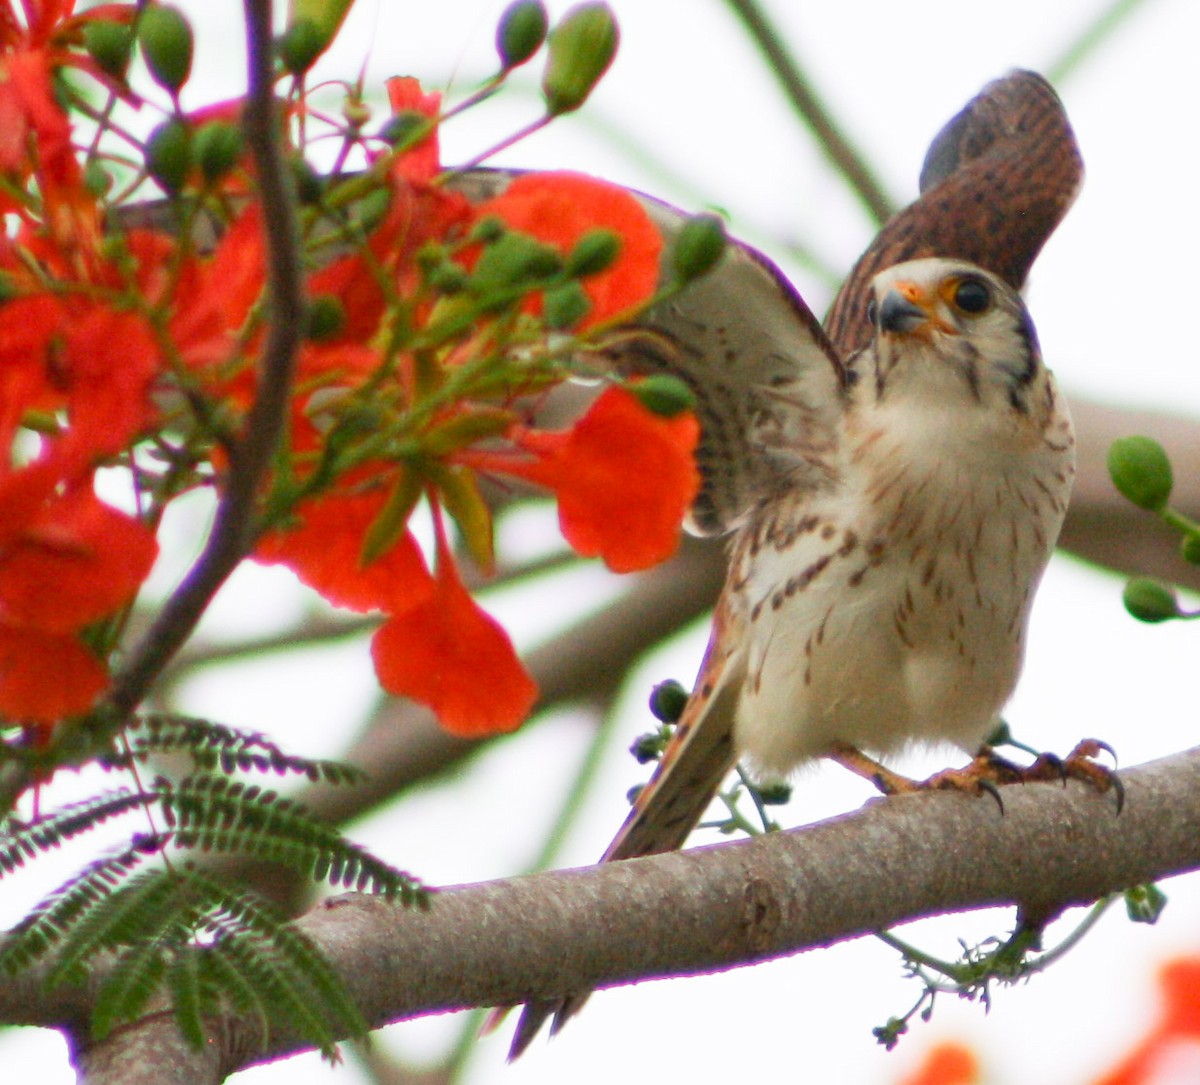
[[906, 309]]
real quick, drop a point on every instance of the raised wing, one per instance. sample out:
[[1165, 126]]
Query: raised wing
[[997, 180], [769, 385]]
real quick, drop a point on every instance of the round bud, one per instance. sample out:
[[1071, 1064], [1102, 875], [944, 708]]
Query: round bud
[[521, 32], [776, 793], [664, 394], [1190, 549], [169, 155], [582, 47], [667, 700], [513, 260], [1141, 472], [216, 149], [700, 244], [594, 252], [109, 44], [166, 41], [565, 306], [300, 45], [1150, 600]]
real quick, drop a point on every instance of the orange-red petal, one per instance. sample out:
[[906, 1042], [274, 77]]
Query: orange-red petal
[[624, 478], [76, 560], [325, 551], [946, 1064], [449, 654], [45, 677]]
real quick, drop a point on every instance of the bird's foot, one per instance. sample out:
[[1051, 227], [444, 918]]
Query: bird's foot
[[1079, 764], [988, 772]]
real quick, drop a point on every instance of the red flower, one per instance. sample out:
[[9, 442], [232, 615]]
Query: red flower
[[624, 478], [559, 208], [31, 49], [946, 1064], [96, 362], [422, 162], [66, 560], [1179, 981], [325, 551], [448, 654]]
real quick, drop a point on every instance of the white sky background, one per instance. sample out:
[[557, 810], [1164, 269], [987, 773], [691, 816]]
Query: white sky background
[[1113, 296]]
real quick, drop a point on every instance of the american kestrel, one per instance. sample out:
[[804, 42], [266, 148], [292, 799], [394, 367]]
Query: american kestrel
[[893, 490]]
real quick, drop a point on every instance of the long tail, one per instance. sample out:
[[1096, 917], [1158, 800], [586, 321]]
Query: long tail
[[693, 765]]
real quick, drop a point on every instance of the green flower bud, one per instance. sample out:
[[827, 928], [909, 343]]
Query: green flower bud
[[699, 246], [448, 278], [399, 129], [664, 394], [1150, 600], [169, 155], [776, 793], [521, 32], [582, 47], [648, 747], [565, 306], [300, 45], [166, 41], [488, 229], [596, 251], [216, 148], [1190, 549], [667, 700], [325, 318], [513, 260], [1145, 903], [97, 179], [1141, 472], [109, 44]]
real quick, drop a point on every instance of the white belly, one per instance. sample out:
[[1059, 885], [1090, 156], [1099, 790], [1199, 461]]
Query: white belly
[[894, 628]]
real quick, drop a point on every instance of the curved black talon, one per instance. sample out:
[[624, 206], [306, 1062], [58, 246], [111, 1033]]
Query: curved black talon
[[993, 790], [1118, 786]]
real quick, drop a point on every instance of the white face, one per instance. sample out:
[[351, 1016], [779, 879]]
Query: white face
[[946, 328]]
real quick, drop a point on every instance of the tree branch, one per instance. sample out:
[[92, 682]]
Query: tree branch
[[706, 910], [232, 532]]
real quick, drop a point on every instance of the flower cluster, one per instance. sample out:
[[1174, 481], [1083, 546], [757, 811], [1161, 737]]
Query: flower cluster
[[131, 337]]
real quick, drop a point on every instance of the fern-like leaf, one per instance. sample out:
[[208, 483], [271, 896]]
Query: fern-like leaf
[[213, 747], [58, 915], [212, 813], [23, 842]]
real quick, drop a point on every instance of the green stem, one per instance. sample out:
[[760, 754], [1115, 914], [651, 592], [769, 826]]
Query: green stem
[[849, 160], [1103, 27]]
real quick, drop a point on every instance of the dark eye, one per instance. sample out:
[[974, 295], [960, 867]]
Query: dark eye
[[872, 311], [972, 296]]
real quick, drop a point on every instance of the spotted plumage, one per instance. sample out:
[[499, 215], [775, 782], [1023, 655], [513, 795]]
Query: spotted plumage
[[893, 490]]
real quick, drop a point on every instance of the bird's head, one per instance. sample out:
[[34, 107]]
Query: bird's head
[[948, 328]]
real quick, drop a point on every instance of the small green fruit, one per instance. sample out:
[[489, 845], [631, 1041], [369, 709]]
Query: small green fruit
[[1141, 471], [521, 32], [582, 47], [1150, 600], [700, 245], [166, 41], [664, 394], [169, 155]]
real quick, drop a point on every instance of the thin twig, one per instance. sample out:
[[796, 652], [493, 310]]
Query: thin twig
[[232, 533], [813, 112], [1094, 35]]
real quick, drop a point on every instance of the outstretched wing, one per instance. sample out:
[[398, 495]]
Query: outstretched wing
[[997, 180], [768, 384]]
